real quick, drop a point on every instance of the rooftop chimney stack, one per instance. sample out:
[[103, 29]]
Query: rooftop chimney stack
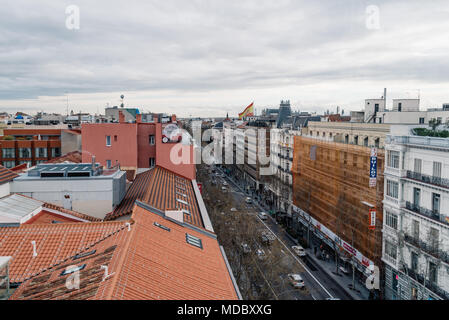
[[121, 117], [138, 118]]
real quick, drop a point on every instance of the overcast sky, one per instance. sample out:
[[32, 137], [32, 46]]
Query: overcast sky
[[211, 57]]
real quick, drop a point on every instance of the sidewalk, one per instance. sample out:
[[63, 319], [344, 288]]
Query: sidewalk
[[328, 267]]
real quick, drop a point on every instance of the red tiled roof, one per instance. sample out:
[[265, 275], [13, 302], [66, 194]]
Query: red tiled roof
[[146, 262], [54, 244], [20, 168], [6, 175], [74, 156], [70, 212], [161, 188], [45, 217]]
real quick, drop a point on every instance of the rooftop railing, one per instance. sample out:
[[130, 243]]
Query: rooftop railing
[[432, 214], [417, 140]]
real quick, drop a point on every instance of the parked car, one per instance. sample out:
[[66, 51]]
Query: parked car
[[262, 216], [246, 248], [233, 209], [261, 254], [267, 238], [299, 251], [248, 200], [224, 189], [296, 280], [225, 183]]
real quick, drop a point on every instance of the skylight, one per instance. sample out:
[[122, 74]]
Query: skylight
[[85, 254], [182, 201], [161, 226], [194, 241], [72, 270]]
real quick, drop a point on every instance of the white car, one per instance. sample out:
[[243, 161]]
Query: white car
[[225, 183], [233, 209], [224, 188], [262, 216], [296, 281], [248, 200], [299, 251], [246, 248]]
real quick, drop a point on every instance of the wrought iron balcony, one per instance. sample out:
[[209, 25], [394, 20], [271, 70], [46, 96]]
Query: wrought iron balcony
[[441, 182], [432, 250], [429, 285], [432, 214]]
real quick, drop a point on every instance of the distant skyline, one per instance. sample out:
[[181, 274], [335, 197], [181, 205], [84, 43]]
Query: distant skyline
[[207, 58]]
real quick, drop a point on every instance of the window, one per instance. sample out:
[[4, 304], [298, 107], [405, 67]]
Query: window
[[392, 189], [74, 269], [356, 140], [108, 164], [416, 197], [28, 163], [393, 159], [162, 226], [346, 139], [437, 169], [365, 142], [376, 107], [392, 220], [194, 241], [414, 261], [400, 106], [433, 271], [421, 120], [151, 138], [55, 152], [436, 200], [24, 152], [85, 254], [108, 141], [390, 250], [115, 138], [9, 153], [41, 152], [151, 162], [9, 164], [434, 236], [377, 142], [418, 165], [415, 229]]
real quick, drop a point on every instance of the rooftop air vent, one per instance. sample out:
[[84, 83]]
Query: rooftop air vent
[[194, 241]]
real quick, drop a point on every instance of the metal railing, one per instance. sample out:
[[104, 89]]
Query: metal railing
[[438, 181], [417, 140], [430, 249], [429, 285], [432, 214]]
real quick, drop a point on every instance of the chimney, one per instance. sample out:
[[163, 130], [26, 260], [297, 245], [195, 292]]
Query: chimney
[[156, 119], [138, 118], [173, 118], [93, 163], [121, 117]]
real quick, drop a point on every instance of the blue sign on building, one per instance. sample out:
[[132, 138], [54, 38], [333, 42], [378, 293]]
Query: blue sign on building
[[373, 168]]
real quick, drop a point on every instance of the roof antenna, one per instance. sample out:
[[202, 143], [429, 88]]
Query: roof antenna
[[33, 243], [106, 275], [128, 225]]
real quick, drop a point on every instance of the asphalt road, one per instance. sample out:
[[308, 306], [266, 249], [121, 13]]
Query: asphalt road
[[319, 284]]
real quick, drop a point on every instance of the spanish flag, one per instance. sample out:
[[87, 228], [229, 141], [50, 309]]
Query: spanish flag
[[249, 111]]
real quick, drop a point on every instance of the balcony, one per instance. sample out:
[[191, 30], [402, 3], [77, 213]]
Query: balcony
[[428, 248], [417, 140], [429, 285], [434, 215], [441, 182]]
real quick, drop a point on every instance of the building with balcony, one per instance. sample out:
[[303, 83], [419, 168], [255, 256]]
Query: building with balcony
[[416, 218], [29, 146]]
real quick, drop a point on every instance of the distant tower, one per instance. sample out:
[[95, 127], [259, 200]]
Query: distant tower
[[285, 111]]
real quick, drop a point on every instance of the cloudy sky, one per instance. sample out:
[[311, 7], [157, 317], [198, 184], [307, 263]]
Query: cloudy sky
[[193, 57]]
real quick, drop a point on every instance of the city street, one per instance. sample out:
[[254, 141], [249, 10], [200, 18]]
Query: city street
[[319, 285]]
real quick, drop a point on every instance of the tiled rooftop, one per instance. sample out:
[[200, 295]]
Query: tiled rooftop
[[164, 190], [6, 175], [74, 156], [150, 260]]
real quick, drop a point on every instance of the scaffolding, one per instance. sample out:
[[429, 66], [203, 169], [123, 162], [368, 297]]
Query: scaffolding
[[331, 183]]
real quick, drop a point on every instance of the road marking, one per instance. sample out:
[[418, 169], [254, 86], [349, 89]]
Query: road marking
[[296, 258]]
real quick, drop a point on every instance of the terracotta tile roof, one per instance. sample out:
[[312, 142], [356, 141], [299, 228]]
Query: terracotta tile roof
[[161, 189], [70, 212], [20, 168], [6, 175], [74, 156], [55, 243], [45, 217], [147, 262], [130, 175]]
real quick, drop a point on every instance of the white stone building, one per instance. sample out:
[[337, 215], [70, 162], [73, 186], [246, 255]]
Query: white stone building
[[416, 218]]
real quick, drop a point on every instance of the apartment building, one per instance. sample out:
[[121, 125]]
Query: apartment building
[[416, 218], [29, 146]]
